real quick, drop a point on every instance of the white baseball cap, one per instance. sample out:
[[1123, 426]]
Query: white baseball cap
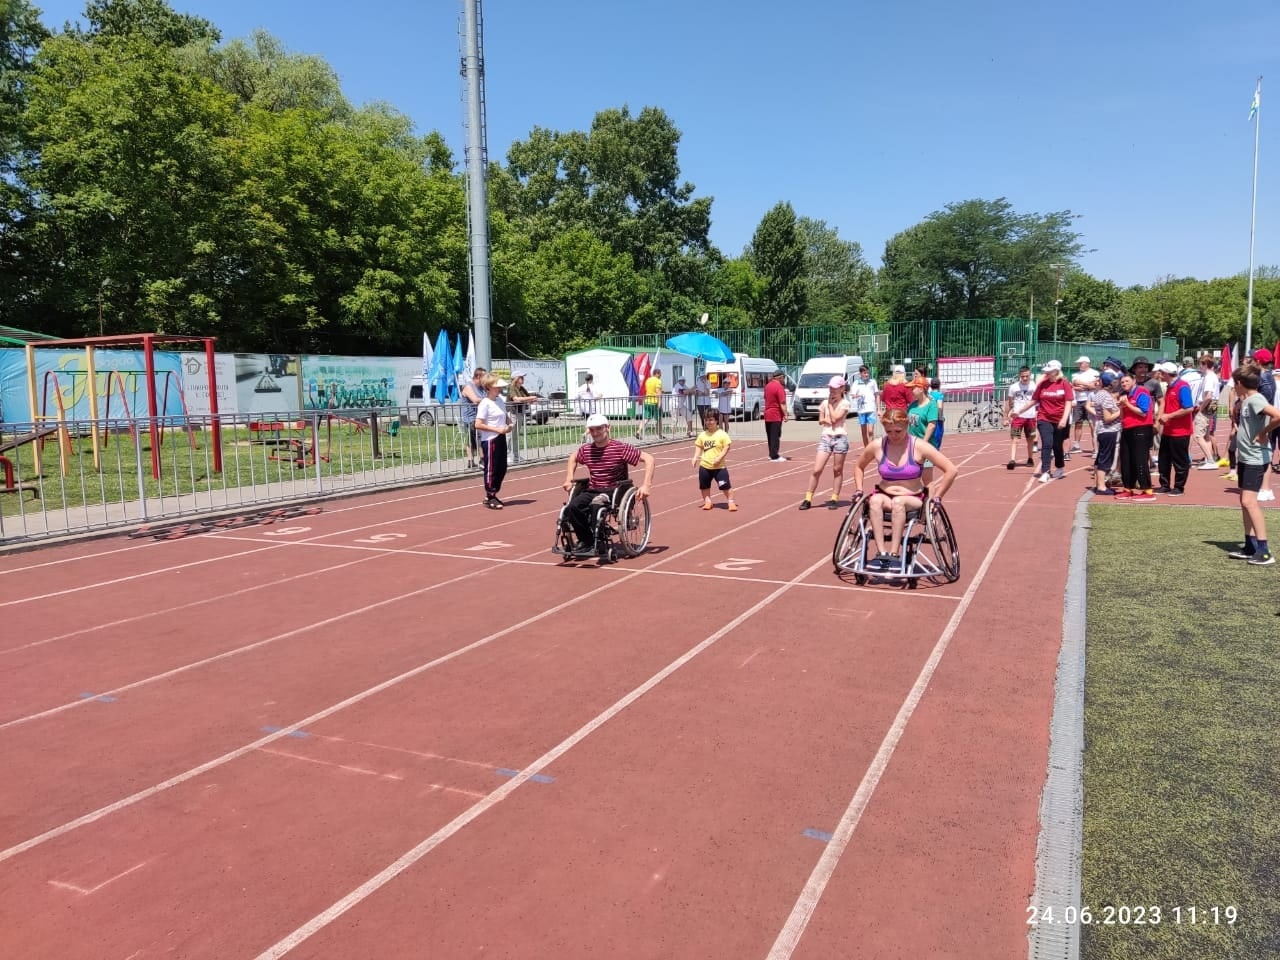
[[597, 420], [1082, 359], [1168, 366], [1052, 365]]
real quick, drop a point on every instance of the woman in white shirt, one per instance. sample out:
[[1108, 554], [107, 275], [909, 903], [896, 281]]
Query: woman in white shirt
[[492, 427], [833, 445]]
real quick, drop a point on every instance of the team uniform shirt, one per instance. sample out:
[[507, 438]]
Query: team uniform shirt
[[714, 449], [1052, 398], [1019, 394], [1252, 420], [1177, 397], [1140, 398], [896, 396], [607, 465], [493, 413], [920, 417], [863, 395], [1103, 401]]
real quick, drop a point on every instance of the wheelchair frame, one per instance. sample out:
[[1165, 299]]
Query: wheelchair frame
[[622, 525], [929, 550]]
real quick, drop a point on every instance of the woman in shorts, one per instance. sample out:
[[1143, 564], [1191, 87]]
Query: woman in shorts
[[833, 444]]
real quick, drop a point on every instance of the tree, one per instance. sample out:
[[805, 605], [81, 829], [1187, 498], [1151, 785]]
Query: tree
[[976, 258], [838, 280], [777, 254], [153, 19], [1089, 309], [21, 34]]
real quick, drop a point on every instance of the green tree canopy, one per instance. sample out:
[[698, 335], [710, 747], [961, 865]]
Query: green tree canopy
[[777, 254], [976, 258]]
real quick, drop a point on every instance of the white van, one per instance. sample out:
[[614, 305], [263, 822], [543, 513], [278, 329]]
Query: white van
[[811, 387], [427, 411], [745, 377]]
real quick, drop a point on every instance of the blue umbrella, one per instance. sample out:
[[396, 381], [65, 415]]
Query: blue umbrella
[[701, 346]]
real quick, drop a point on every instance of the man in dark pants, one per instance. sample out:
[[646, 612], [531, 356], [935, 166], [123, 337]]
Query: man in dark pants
[[1175, 422], [775, 412], [606, 461]]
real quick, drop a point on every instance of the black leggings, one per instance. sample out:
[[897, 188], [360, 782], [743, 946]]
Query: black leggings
[[773, 433], [1053, 439]]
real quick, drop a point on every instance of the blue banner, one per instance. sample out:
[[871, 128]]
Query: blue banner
[[121, 383]]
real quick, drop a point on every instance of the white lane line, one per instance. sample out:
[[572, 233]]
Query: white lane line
[[270, 738], [791, 932], [403, 863], [86, 891], [350, 769]]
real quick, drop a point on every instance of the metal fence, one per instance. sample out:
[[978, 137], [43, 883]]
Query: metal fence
[[65, 481], [1013, 341]]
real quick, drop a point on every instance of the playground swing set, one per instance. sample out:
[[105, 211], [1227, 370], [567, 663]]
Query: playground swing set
[[47, 423]]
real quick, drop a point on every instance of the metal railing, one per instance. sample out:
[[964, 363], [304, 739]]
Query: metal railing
[[61, 482]]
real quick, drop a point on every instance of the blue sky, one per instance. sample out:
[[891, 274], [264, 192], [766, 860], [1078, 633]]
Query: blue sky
[[1132, 114]]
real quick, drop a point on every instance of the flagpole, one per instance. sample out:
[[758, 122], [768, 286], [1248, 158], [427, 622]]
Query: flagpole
[[1253, 216]]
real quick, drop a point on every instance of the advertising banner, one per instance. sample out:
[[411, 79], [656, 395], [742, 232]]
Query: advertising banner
[[967, 373], [357, 383], [267, 383], [543, 377], [121, 384], [195, 383]]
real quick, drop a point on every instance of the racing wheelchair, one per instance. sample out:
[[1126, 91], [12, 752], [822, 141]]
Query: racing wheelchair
[[929, 550], [620, 520]]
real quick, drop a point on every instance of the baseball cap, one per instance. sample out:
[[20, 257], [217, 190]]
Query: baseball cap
[[1114, 363], [502, 383], [1082, 359], [517, 374], [1141, 362], [836, 383], [1109, 378], [1052, 365], [898, 368], [597, 420], [1263, 355], [1167, 366]]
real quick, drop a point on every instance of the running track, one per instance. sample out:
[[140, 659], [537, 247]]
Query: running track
[[400, 728]]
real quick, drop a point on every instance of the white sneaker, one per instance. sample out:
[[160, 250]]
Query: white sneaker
[[1208, 465], [1044, 478], [1266, 495]]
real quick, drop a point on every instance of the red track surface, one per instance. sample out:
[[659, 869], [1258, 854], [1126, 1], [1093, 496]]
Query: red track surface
[[304, 737]]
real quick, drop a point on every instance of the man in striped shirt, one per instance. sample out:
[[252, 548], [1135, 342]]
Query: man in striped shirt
[[606, 461]]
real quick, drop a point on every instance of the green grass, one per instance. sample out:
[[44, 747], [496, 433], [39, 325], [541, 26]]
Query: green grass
[[1182, 735], [185, 470]]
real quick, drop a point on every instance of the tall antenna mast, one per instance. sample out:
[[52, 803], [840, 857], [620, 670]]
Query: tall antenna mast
[[477, 165]]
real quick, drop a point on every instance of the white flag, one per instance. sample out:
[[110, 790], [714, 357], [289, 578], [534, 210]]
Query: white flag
[[427, 355], [1257, 101], [469, 362]]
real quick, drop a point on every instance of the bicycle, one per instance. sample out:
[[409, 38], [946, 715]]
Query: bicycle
[[983, 415]]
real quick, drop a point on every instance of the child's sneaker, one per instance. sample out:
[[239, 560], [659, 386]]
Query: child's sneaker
[[1266, 496], [1123, 496], [1145, 497], [1262, 560], [732, 506], [1244, 553]]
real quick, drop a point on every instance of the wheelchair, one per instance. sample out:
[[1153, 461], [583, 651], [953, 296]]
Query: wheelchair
[[620, 519], [929, 550]]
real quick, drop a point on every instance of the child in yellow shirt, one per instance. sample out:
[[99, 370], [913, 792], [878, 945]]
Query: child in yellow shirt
[[710, 451]]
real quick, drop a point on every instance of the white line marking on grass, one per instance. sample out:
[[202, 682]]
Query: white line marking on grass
[[314, 718], [393, 870], [802, 912]]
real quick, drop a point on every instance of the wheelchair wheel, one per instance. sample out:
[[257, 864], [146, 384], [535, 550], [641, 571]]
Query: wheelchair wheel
[[633, 523], [969, 422], [943, 539], [850, 539]]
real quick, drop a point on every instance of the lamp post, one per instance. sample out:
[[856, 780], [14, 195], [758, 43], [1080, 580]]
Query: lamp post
[[1057, 296]]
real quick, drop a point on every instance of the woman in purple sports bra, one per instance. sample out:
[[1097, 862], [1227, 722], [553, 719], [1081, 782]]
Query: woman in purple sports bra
[[900, 461]]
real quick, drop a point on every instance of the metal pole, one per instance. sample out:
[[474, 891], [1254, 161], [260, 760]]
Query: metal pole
[[1253, 219], [477, 162]]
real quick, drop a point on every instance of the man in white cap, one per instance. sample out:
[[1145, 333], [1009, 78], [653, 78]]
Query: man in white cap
[[606, 461], [1080, 380], [1176, 421]]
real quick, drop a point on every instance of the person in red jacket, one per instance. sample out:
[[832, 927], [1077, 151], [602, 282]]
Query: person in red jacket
[[1052, 399], [1137, 416], [1176, 424], [775, 412]]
